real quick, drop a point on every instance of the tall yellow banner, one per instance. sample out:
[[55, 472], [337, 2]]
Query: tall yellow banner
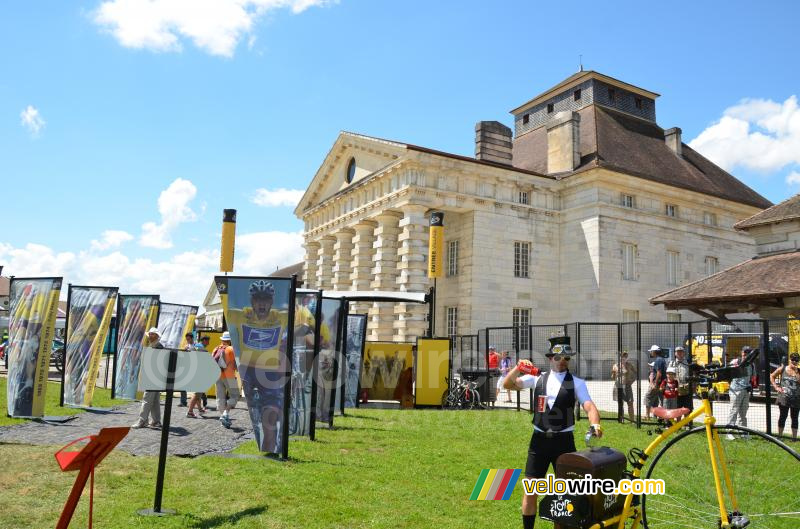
[[228, 240], [436, 245], [793, 328]]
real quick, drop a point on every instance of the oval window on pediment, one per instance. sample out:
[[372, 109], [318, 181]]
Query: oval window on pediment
[[351, 171]]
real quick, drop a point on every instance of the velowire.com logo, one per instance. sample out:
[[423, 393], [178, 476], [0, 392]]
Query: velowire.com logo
[[495, 484]]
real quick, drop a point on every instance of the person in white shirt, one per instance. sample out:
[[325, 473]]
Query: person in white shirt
[[555, 394]]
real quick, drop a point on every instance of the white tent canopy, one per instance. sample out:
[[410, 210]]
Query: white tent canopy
[[372, 295]]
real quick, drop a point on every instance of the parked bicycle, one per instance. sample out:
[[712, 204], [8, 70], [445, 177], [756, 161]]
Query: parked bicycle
[[461, 395]]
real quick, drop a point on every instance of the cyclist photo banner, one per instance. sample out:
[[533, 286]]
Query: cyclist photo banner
[[32, 319], [793, 328], [89, 311], [326, 361], [257, 311], [354, 352], [384, 364], [303, 391], [174, 321], [136, 314]]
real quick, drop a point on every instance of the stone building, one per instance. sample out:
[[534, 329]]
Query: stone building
[[583, 212]]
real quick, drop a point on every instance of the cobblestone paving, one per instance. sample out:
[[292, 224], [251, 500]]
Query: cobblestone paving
[[188, 437]]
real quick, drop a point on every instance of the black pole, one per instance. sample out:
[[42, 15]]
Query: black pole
[[620, 393], [431, 308], [343, 355], [66, 344], [317, 340], [638, 374], [116, 348], [162, 454], [767, 384]]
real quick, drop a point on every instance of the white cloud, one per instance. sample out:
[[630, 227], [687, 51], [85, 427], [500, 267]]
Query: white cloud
[[756, 134], [180, 278], [793, 178], [111, 239], [173, 205], [32, 120], [215, 26], [277, 197]]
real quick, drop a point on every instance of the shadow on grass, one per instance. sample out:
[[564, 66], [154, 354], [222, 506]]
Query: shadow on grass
[[347, 428], [365, 417], [216, 521]]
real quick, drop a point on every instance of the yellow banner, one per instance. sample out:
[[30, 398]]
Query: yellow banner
[[152, 321], [189, 327], [97, 350], [793, 330], [432, 368], [228, 240], [385, 364], [32, 318], [436, 245]]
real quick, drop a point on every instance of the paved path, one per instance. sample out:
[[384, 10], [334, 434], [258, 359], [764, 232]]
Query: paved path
[[188, 437]]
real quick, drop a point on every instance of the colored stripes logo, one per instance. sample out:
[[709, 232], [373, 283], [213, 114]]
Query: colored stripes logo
[[495, 484]]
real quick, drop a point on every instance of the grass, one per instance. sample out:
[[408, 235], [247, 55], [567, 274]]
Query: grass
[[376, 469], [102, 399]]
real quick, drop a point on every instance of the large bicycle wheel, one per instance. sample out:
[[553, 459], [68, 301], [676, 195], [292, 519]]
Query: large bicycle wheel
[[764, 478]]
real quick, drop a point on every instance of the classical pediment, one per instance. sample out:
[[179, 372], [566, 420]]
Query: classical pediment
[[369, 155]]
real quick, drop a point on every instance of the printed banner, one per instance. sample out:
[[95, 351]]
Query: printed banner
[[32, 318], [88, 317], [386, 364], [793, 330], [326, 385], [432, 369], [436, 245], [257, 313], [137, 315], [172, 323], [354, 351], [303, 386]]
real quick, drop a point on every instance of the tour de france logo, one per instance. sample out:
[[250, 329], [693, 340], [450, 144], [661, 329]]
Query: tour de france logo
[[261, 339], [561, 508]]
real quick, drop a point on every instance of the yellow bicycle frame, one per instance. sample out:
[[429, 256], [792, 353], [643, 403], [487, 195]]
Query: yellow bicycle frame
[[715, 451]]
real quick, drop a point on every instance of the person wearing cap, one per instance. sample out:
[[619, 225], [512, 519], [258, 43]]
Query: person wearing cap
[[554, 398], [739, 391], [151, 405], [681, 366], [788, 390], [669, 388], [227, 387], [494, 364], [658, 373]]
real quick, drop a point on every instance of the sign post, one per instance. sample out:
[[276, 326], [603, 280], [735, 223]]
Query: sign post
[[159, 367]]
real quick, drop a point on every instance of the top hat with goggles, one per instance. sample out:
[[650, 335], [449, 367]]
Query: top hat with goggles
[[559, 345]]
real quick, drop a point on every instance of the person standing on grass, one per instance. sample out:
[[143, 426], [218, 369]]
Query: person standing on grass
[[669, 388], [788, 392], [554, 397], [505, 368], [658, 372], [151, 404], [624, 375], [681, 366], [739, 391]]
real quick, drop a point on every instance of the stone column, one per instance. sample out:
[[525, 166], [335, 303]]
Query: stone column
[[342, 250], [384, 275], [362, 253], [413, 277], [310, 264], [325, 263]]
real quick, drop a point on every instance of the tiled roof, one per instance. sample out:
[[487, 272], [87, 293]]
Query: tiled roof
[[789, 209], [770, 277], [634, 146]]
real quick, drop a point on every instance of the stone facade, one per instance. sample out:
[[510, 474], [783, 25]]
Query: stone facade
[[373, 233]]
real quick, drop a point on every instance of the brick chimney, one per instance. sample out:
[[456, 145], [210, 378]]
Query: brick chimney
[[673, 138], [563, 142], [493, 142]]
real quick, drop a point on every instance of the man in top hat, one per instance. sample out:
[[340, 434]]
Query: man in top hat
[[554, 397], [150, 403]]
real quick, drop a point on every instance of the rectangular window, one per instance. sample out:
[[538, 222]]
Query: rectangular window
[[577, 94], [674, 316], [526, 118], [521, 319], [522, 197], [549, 108], [671, 210], [712, 265], [638, 102], [628, 201], [612, 95], [629, 262], [672, 267], [452, 321], [629, 315], [522, 252], [452, 258], [709, 219]]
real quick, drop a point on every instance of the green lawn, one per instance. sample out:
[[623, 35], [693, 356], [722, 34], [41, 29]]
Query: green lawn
[[376, 469]]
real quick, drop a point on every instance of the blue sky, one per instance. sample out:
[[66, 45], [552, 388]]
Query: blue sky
[[105, 106]]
